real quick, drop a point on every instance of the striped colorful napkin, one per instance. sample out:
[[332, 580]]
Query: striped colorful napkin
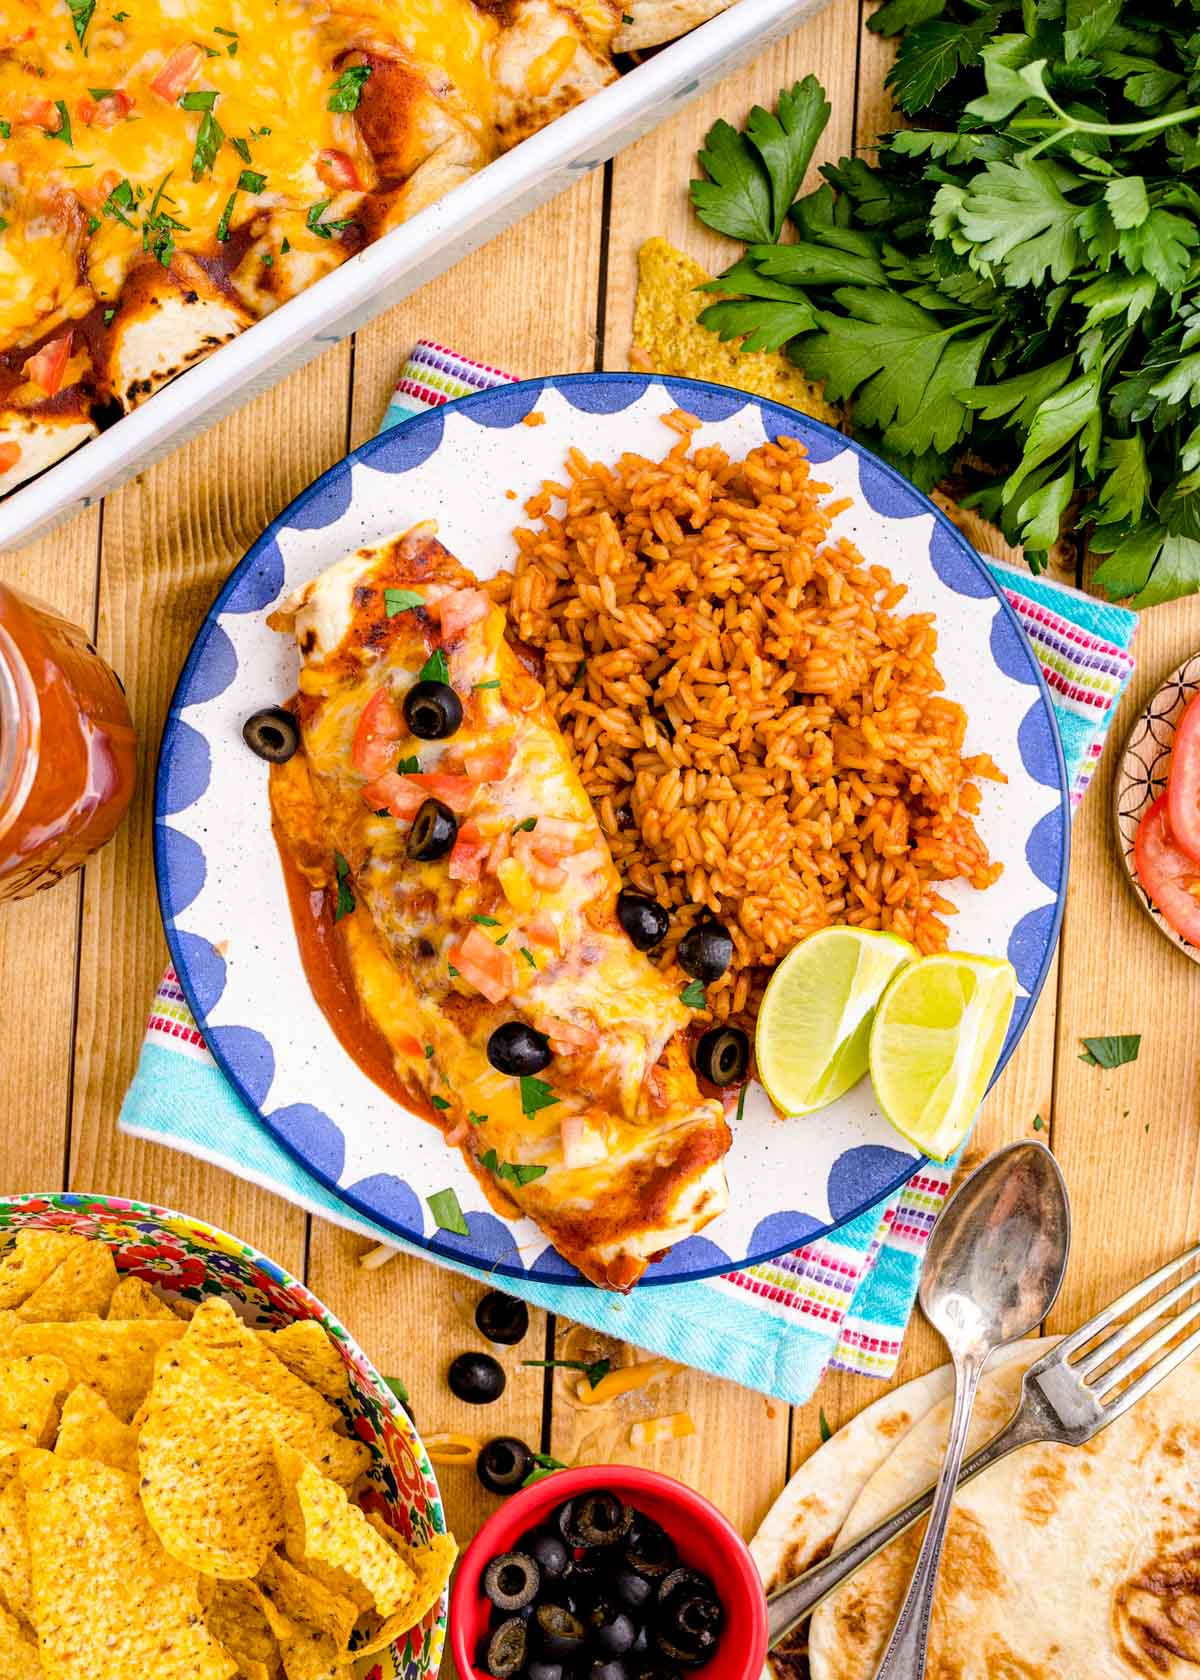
[[843, 1300]]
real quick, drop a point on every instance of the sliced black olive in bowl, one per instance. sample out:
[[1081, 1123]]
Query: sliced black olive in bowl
[[644, 919], [272, 734], [433, 833], [517, 1049], [706, 950], [691, 1651], [507, 1648], [723, 1056], [432, 710], [511, 1581], [596, 1519], [631, 1590], [650, 1551], [686, 1581], [562, 1635], [501, 1318], [503, 1464], [551, 1553], [476, 1378]]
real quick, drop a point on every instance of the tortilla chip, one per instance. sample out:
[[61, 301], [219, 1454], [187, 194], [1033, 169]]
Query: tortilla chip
[[312, 1355], [301, 1597], [15, 1591], [106, 1598], [81, 1287], [30, 1389], [117, 1359], [431, 1565], [19, 1658], [219, 1334], [331, 1538], [30, 1261], [235, 1618], [88, 1429], [134, 1298], [310, 1655], [668, 337]]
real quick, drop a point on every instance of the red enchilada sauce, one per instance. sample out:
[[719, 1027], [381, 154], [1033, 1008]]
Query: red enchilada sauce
[[67, 747]]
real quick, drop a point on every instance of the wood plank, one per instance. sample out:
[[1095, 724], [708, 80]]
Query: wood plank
[[525, 303], [170, 538], [38, 935], [1127, 1139]]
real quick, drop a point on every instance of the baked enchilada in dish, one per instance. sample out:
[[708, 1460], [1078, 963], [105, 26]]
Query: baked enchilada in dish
[[171, 170], [476, 909]]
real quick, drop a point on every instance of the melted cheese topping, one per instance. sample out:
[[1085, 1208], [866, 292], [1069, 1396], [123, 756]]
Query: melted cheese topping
[[85, 119]]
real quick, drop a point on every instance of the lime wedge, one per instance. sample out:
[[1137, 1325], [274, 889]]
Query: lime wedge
[[937, 1036], [815, 1021]]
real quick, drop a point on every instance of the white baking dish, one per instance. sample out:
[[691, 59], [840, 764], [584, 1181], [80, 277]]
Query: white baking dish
[[396, 265]]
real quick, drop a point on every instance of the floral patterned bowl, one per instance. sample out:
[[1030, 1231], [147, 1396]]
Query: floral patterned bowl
[[186, 1259]]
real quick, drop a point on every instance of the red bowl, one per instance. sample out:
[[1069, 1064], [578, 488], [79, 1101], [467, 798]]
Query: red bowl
[[705, 1539]]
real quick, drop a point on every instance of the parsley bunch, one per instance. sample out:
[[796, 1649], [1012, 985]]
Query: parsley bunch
[[1012, 291]]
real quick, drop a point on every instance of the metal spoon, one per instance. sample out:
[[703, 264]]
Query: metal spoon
[[994, 1265]]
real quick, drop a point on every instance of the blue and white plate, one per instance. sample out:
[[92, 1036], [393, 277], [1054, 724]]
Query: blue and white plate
[[222, 894]]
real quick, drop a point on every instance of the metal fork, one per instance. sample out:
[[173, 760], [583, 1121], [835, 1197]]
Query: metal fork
[[1064, 1399]]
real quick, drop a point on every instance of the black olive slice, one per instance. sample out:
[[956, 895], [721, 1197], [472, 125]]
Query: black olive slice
[[511, 1581], [562, 1634], [706, 950], [597, 1519], [650, 1550], [272, 734], [723, 1055], [432, 710], [507, 1648], [516, 1049], [433, 832], [503, 1464]]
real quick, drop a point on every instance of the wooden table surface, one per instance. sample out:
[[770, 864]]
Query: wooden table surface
[[78, 964]]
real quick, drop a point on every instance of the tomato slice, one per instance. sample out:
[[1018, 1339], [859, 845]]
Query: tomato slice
[[106, 112], [490, 763], [10, 454], [47, 365], [1165, 869], [379, 729], [41, 113], [177, 72], [455, 791], [1183, 782], [465, 862], [395, 794], [460, 609], [488, 968], [337, 170]]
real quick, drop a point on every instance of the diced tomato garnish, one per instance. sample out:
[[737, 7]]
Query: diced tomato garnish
[[466, 860], [460, 609], [176, 74], [567, 1035], [398, 795], [45, 367], [455, 791], [106, 112], [1166, 872], [337, 170], [489, 763], [1183, 782], [41, 113], [541, 927], [485, 964], [10, 454], [379, 729]]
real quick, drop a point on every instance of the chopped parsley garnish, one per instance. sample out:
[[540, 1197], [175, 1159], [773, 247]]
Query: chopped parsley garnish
[[241, 148], [3, 223], [526, 827], [580, 673], [267, 260], [486, 921], [1039, 1125], [101, 93], [399, 1388], [324, 230], [401, 600], [546, 1466], [251, 181], [200, 99], [594, 1372], [108, 313], [440, 1103], [435, 668], [345, 896], [5, 130], [476, 1119], [223, 224], [82, 13], [231, 37], [535, 1094], [823, 1426], [447, 1212], [1111, 1052], [453, 972], [429, 1052], [287, 244], [528, 955], [495, 683], [118, 201], [503, 937], [741, 1107], [209, 136], [93, 222], [347, 89], [693, 995], [516, 1172], [63, 131], [409, 766]]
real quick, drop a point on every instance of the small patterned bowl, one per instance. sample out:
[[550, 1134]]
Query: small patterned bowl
[[186, 1259]]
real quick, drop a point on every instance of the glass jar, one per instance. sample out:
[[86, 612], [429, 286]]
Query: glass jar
[[67, 747]]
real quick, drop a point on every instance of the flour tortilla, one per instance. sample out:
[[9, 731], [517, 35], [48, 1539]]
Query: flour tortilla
[[804, 1522], [647, 23], [1060, 1564]]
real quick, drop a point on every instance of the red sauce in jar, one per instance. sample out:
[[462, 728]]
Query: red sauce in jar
[[67, 747]]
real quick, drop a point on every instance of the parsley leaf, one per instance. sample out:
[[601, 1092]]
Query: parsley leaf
[[251, 181], [63, 131], [546, 1466], [347, 89], [1111, 1052], [399, 1388], [82, 13], [400, 600], [409, 766], [440, 1103], [324, 230], [345, 895], [528, 955], [535, 1095], [693, 995], [447, 1212], [435, 668], [486, 921], [595, 1372], [736, 199], [786, 138], [823, 1426]]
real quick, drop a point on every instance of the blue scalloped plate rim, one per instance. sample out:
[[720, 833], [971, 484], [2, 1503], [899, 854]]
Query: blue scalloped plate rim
[[710, 402]]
